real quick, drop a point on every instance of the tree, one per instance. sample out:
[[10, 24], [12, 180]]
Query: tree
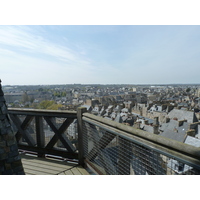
[[188, 89], [49, 105]]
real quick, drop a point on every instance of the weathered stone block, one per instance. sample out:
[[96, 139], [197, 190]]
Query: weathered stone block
[[7, 149], [7, 166], [16, 163], [9, 135], [6, 122], [12, 159], [11, 142], [2, 150], [13, 153], [19, 168], [2, 143], [7, 172], [2, 99], [4, 109], [21, 172], [2, 168], [14, 147], [2, 117], [3, 156]]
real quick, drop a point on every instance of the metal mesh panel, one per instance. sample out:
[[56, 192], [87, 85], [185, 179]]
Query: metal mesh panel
[[113, 154]]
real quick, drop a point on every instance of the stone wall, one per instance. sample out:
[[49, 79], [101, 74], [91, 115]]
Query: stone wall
[[10, 161]]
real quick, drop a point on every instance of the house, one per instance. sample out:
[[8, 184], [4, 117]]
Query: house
[[183, 115], [192, 141]]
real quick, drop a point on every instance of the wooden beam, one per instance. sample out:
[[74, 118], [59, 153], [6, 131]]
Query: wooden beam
[[42, 112], [24, 125], [80, 112], [40, 135], [56, 152], [64, 140], [25, 134], [62, 129]]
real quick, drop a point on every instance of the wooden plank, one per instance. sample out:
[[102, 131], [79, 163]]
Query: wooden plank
[[82, 171], [27, 173], [94, 167], [46, 165], [57, 152], [49, 160], [62, 165], [43, 112], [40, 166], [34, 172], [75, 171], [68, 172], [62, 173], [41, 170]]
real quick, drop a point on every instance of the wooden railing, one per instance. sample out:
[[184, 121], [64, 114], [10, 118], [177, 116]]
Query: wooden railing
[[104, 145], [44, 132]]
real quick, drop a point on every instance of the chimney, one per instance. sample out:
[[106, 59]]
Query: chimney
[[156, 121], [191, 132], [137, 125], [180, 122], [169, 108], [156, 129], [167, 119], [10, 162]]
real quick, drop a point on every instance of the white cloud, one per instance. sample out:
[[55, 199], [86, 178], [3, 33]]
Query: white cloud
[[24, 40], [23, 60]]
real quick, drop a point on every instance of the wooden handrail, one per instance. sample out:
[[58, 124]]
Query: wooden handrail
[[38, 145]]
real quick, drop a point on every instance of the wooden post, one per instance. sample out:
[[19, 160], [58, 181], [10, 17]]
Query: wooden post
[[80, 112], [40, 134]]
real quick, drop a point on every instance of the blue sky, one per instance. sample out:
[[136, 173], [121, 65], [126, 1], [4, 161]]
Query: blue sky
[[99, 54]]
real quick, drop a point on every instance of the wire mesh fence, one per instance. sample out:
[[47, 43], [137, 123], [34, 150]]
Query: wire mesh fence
[[113, 154]]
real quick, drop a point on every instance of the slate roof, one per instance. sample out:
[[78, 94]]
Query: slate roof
[[173, 126], [198, 134], [124, 110], [183, 128], [118, 118], [192, 141], [174, 135], [148, 128], [183, 114], [169, 126]]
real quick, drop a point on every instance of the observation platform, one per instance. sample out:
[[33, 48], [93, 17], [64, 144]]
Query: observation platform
[[84, 141], [34, 165]]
